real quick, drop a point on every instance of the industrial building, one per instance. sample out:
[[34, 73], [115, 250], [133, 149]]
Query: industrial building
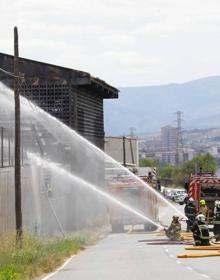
[[74, 97], [123, 150]]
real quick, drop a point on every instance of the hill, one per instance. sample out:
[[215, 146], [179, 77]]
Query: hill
[[149, 108]]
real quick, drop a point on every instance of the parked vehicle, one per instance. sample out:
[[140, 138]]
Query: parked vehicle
[[168, 193], [180, 197]]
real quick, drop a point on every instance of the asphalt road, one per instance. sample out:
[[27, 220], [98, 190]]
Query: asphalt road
[[122, 257]]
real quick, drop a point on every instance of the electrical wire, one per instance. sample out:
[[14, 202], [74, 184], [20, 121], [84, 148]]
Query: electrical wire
[[11, 74], [20, 77]]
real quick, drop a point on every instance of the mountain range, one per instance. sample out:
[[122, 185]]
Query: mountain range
[[148, 108]]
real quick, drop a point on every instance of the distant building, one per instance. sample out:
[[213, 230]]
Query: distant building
[[169, 138], [162, 147], [114, 148], [169, 157]]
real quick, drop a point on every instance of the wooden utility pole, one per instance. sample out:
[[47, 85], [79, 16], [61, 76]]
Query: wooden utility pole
[[2, 146], [18, 211], [124, 150]]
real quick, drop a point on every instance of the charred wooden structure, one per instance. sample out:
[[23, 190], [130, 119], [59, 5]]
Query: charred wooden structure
[[74, 97]]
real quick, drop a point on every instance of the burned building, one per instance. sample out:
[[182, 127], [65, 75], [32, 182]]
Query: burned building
[[74, 97]]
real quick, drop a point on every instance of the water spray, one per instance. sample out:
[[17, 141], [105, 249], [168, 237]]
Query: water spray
[[52, 165], [64, 134], [100, 152]]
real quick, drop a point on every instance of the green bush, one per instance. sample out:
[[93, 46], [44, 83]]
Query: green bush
[[36, 257], [9, 273], [179, 173]]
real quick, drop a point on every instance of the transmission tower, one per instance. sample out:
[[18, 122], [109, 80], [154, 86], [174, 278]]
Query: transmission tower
[[179, 138]]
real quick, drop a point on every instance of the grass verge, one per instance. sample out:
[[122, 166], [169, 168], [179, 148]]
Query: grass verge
[[36, 257]]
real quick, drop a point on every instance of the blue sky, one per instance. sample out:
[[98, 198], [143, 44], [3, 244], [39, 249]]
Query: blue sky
[[125, 42]]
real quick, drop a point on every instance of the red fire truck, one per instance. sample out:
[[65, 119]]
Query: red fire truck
[[134, 194], [205, 186]]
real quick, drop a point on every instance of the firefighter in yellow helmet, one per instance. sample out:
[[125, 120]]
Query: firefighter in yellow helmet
[[203, 209]]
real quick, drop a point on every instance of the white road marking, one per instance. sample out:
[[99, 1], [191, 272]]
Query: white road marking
[[181, 263], [204, 275], [58, 269]]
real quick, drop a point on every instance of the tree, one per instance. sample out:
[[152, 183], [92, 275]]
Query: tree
[[166, 172], [206, 162], [178, 174], [147, 162]]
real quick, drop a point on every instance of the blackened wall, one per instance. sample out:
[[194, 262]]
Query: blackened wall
[[81, 110], [90, 121], [70, 95]]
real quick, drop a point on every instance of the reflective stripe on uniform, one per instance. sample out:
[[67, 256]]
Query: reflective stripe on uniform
[[204, 229], [217, 218]]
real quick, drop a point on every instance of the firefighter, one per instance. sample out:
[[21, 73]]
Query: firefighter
[[190, 213], [158, 185], [174, 230], [200, 231], [186, 200], [216, 221], [150, 177], [216, 203], [204, 210]]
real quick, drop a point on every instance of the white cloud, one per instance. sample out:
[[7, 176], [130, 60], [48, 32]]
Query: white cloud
[[128, 58], [152, 39]]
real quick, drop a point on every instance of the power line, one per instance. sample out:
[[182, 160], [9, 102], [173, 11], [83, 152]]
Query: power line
[[20, 76]]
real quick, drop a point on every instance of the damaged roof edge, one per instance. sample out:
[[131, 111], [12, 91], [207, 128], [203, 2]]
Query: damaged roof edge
[[77, 77]]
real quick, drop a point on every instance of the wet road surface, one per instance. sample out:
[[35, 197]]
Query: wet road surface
[[122, 257]]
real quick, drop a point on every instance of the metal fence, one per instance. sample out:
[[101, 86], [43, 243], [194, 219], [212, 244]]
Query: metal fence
[[7, 210], [7, 196], [7, 148], [48, 208], [6, 144]]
